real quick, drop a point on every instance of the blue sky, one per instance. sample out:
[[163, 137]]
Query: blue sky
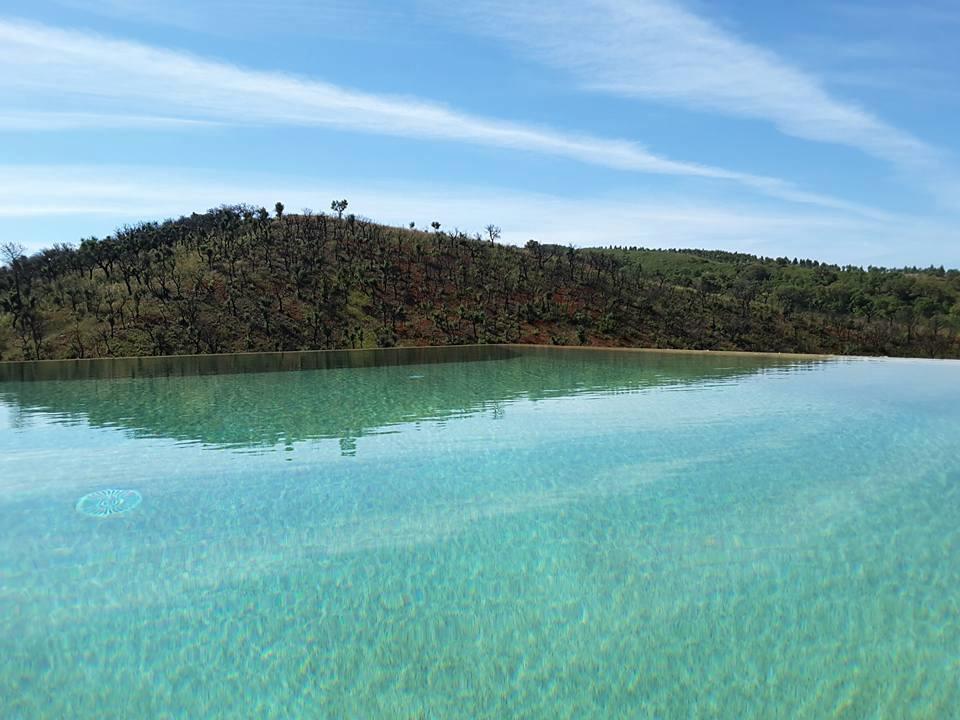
[[822, 129]]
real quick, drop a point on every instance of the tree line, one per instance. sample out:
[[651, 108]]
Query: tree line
[[239, 278]]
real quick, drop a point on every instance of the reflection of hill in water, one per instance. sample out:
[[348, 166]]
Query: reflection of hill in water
[[250, 401]]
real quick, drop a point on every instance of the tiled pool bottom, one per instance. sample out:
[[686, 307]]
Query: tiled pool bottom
[[541, 534]]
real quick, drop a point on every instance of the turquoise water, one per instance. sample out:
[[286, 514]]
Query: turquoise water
[[481, 533]]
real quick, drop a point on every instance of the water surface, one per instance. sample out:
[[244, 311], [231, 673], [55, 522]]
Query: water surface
[[481, 533]]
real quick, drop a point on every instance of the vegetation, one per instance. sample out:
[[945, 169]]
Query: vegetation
[[240, 279]]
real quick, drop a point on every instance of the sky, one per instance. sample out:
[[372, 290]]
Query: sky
[[825, 129]]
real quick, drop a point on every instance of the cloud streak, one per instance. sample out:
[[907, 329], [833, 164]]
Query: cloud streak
[[57, 121], [658, 50], [87, 76]]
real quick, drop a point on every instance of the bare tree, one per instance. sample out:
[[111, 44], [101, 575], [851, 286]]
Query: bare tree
[[10, 252]]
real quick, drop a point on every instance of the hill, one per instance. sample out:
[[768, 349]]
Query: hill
[[240, 279]]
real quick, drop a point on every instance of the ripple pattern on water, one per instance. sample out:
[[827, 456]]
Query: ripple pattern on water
[[104, 503], [558, 535]]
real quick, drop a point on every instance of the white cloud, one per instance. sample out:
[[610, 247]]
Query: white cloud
[[658, 50], [46, 66], [217, 17], [182, 15], [33, 121], [95, 199]]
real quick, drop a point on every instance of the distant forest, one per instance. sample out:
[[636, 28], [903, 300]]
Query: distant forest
[[242, 279]]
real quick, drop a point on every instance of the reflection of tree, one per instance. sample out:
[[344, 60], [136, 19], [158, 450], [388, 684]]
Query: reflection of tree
[[348, 447], [246, 401]]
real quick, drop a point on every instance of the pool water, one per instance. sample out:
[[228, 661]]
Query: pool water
[[481, 533]]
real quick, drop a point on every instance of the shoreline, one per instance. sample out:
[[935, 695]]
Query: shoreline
[[402, 348]]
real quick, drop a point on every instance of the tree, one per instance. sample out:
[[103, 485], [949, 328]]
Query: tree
[[339, 207], [709, 284], [11, 252], [279, 210]]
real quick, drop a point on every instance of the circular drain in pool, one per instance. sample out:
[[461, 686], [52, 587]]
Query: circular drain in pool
[[104, 503]]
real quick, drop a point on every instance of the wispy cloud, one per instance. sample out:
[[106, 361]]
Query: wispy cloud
[[39, 121], [886, 56], [216, 17], [93, 199], [172, 13], [92, 75], [657, 49]]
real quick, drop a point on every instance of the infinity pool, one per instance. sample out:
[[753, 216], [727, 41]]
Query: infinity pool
[[480, 533]]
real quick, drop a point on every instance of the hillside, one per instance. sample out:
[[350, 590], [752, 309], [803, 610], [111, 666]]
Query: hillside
[[241, 279]]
